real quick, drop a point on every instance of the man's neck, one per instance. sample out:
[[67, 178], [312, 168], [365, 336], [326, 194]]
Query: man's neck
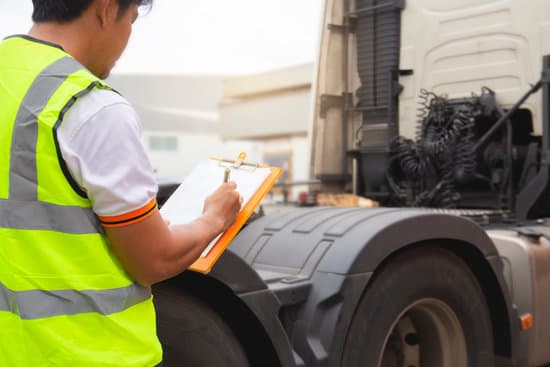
[[62, 35], [70, 36]]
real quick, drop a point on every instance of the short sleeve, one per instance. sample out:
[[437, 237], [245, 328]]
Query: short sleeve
[[100, 140]]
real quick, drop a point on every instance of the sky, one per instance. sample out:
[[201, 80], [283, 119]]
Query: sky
[[218, 37]]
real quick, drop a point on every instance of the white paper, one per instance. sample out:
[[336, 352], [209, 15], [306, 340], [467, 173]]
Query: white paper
[[186, 203]]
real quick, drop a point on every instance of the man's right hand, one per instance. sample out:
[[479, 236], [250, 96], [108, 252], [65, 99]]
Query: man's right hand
[[222, 206]]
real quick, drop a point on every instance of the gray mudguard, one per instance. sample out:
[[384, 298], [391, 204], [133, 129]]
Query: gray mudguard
[[246, 283], [317, 262]]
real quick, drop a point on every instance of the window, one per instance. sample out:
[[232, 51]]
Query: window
[[163, 143]]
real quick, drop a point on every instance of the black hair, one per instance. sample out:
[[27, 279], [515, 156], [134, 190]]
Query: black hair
[[67, 10]]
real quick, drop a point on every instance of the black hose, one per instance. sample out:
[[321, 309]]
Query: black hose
[[441, 157]]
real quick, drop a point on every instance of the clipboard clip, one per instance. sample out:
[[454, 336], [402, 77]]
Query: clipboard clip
[[239, 162]]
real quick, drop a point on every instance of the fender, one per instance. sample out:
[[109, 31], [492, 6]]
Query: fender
[[318, 263], [245, 282]]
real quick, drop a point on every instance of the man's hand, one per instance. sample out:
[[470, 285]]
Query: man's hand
[[223, 205], [150, 251]]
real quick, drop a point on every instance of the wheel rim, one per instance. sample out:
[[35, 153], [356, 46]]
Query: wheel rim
[[427, 333]]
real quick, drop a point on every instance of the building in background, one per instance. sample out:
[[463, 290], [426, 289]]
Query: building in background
[[180, 119], [272, 108], [188, 118]]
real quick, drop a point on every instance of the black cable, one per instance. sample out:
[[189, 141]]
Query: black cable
[[442, 155]]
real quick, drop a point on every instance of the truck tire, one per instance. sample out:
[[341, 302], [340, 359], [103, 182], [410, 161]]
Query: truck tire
[[192, 333], [424, 309]]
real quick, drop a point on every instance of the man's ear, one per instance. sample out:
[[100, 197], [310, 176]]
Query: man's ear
[[106, 12]]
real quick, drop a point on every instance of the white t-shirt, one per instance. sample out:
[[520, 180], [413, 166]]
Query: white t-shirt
[[100, 141]]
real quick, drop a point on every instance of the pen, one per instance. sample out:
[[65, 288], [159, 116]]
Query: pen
[[226, 174]]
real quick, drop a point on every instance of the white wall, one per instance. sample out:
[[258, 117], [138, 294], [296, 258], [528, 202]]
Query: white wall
[[276, 114]]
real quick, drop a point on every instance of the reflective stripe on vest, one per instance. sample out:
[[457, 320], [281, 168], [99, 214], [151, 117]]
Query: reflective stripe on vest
[[22, 210], [36, 215], [23, 181], [38, 304]]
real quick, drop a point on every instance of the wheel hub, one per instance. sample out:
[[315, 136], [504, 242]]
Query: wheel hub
[[426, 334]]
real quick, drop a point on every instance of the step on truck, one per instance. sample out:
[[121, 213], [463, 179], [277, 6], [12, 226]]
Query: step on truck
[[439, 111]]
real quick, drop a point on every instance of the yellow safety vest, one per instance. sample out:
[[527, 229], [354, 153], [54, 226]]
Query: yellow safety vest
[[65, 300]]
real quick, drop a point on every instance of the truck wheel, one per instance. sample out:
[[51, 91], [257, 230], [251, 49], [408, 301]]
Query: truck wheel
[[424, 309], [191, 333]]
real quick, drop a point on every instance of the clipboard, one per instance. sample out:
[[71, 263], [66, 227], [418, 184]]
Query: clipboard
[[253, 180]]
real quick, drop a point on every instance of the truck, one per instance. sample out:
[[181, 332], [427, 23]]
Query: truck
[[439, 111]]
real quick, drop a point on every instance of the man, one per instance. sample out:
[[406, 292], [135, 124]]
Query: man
[[81, 239]]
